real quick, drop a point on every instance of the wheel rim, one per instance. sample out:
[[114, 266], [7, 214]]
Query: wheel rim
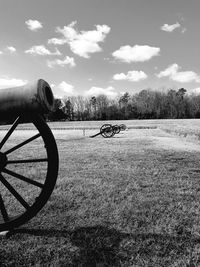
[[116, 129], [28, 171], [107, 131], [122, 127]]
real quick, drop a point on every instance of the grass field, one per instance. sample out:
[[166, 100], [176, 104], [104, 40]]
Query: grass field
[[132, 200]]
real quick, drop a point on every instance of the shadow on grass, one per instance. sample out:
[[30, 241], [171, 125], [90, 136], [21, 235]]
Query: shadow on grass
[[98, 245], [101, 246]]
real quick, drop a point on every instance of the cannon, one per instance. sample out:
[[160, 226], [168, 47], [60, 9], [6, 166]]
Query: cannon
[[116, 129], [122, 127], [108, 130], [28, 159]]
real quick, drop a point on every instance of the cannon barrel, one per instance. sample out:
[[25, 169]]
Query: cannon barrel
[[32, 97]]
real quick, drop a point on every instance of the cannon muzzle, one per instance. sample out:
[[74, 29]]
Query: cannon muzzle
[[33, 97]]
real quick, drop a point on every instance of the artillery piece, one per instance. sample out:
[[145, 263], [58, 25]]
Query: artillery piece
[[108, 130], [28, 159], [122, 127]]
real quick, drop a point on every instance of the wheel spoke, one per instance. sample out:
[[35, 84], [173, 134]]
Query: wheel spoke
[[27, 160], [10, 132], [23, 143], [23, 178], [3, 210], [22, 195], [14, 192]]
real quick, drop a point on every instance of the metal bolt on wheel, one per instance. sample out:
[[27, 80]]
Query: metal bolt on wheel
[[28, 170]]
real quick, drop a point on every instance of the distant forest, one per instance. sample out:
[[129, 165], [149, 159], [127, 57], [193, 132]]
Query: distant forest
[[147, 104]]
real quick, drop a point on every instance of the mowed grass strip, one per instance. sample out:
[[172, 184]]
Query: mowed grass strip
[[124, 201]]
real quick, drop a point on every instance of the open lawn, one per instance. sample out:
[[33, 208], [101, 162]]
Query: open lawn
[[131, 200]]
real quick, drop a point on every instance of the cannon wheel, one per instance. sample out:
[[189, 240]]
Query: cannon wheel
[[28, 171], [116, 129], [107, 131], [122, 127]]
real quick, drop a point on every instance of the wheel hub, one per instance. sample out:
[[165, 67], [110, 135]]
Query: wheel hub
[[3, 161]]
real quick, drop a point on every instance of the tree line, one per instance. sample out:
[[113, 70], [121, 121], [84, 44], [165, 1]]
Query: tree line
[[147, 104]]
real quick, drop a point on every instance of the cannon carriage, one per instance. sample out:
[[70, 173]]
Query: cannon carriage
[[109, 130], [28, 159], [29, 156]]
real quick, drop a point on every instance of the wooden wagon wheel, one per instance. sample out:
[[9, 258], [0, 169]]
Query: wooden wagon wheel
[[116, 129], [28, 170], [107, 131], [122, 127]]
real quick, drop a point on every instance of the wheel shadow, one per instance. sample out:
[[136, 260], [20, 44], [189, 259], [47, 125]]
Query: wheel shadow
[[102, 246], [98, 245]]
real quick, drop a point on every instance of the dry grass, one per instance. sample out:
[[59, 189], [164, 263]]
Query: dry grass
[[125, 201], [190, 132]]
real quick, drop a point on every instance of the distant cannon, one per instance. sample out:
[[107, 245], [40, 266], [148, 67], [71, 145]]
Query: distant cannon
[[28, 165], [108, 130], [116, 129], [122, 127]]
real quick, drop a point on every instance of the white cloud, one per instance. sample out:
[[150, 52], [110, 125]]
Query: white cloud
[[81, 43], [170, 28], [133, 76], [64, 89], [179, 76], [186, 76], [1, 52], [170, 71], [183, 30], [195, 91], [95, 91], [62, 63], [42, 51], [33, 25], [8, 83], [11, 49], [57, 41], [137, 53]]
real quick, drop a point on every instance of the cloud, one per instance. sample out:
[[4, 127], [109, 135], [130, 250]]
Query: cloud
[[42, 51], [1, 52], [183, 30], [11, 49], [57, 41], [64, 89], [133, 76], [81, 43], [137, 53], [179, 76], [62, 63], [170, 28], [96, 91], [170, 71], [33, 25], [8, 83], [195, 91]]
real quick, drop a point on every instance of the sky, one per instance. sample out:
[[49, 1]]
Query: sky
[[92, 47]]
